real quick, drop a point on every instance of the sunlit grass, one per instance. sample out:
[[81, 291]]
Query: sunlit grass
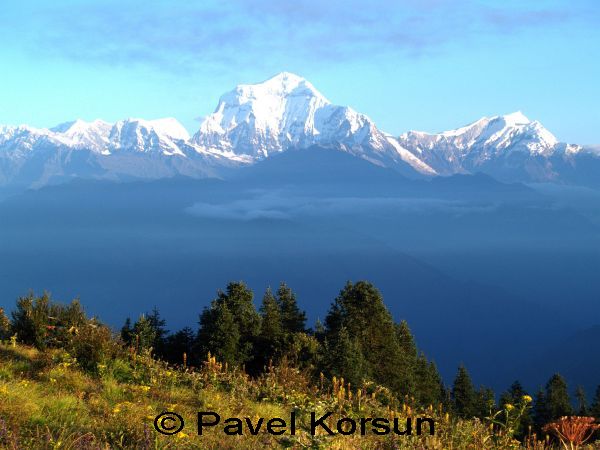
[[48, 402]]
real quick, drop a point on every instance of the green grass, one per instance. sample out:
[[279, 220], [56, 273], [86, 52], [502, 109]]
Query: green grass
[[47, 402]]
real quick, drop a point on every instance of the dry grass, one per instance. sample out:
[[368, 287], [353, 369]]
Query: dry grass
[[47, 402]]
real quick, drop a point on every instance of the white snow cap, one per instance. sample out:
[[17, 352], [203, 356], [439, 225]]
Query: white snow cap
[[281, 85], [270, 106], [516, 118], [168, 126], [286, 111]]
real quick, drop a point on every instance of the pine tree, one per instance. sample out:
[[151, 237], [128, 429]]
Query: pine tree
[[238, 298], [319, 330], [429, 386], [582, 406], [541, 413], [271, 317], [485, 402], [514, 396], [292, 318], [408, 356], [127, 332], [270, 342], [178, 343], [406, 340], [219, 334], [557, 398], [345, 359], [231, 312], [595, 407], [144, 334], [464, 396], [359, 309], [160, 331]]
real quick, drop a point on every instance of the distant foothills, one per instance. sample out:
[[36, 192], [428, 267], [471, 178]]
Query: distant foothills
[[257, 121]]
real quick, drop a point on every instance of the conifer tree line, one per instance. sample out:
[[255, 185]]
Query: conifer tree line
[[358, 341]]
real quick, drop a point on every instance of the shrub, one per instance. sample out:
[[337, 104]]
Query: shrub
[[4, 326], [93, 344], [42, 323]]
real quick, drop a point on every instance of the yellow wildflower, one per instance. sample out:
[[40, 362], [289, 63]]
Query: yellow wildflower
[[509, 407], [527, 399]]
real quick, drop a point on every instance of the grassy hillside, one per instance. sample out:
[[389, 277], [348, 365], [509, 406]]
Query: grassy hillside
[[48, 402]]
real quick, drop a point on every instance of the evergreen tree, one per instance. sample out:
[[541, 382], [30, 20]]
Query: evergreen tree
[[302, 350], [464, 397], [557, 398], [320, 331], [595, 407], [160, 331], [220, 335], [177, 344], [231, 312], [514, 396], [541, 413], [408, 357], [345, 359], [127, 332], [270, 342], [143, 334], [406, 341], [4, 325], [292, 318], [429, 386], [359, 309], [447, 398], [582, 406], [485, 402]]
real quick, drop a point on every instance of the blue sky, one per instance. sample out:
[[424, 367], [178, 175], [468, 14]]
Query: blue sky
[[414, 64]]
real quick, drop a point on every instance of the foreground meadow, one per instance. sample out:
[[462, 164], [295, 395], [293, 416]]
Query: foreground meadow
[[48, 402]]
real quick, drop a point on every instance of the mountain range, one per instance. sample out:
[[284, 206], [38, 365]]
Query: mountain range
[[255, 122]]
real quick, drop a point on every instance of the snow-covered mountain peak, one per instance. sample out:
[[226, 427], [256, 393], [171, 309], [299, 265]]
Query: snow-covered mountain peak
[[257, 119], [167, 127], [515, 119], [490, 125], [284, 84], [149, 136], [498, 131], [254, 121], [81, 134], [493, 144], [170, 127], [286, 111], [271, 96], [79, 126]]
